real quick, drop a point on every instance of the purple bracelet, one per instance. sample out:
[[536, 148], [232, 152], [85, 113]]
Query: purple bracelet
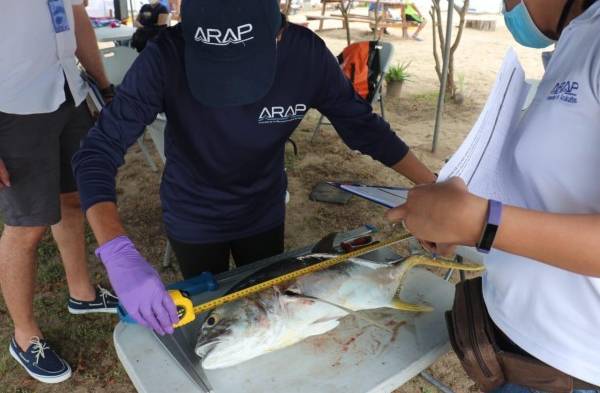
[[494, 217]]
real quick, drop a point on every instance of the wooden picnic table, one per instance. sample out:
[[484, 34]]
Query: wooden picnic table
[[400, 4], [378, 21], [387, 3], [343, 9]]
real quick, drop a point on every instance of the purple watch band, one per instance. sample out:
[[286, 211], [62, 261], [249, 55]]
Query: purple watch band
[[494, 212], [494, 217]]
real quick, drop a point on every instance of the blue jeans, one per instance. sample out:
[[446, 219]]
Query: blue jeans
[[511, 388], [372, 7]]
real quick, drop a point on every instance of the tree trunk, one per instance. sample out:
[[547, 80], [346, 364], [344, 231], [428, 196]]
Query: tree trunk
[[439, 36]]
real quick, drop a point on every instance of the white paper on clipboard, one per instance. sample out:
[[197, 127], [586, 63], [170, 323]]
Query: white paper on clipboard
[[485, 160], [386, 196]]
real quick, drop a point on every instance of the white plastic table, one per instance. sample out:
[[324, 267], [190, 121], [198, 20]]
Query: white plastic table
[[354, 357], [108, 34]]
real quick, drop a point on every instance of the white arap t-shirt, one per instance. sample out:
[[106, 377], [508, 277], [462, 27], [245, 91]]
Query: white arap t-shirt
[[551, 313], [34, 59]]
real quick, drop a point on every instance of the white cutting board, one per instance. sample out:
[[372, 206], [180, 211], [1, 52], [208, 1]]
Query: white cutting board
[[355, 357]]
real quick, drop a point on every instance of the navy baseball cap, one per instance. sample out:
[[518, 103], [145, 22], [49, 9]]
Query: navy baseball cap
[[230, 49]]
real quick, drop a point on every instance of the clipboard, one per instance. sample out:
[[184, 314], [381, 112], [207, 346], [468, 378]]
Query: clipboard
[[389, 197], [97, 101]]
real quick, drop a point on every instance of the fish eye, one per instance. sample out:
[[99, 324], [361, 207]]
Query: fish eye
[[211, 321]]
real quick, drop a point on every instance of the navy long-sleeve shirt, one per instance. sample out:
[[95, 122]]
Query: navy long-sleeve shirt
[[224, 177]]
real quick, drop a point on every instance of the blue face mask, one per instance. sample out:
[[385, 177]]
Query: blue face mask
[[523, 28]]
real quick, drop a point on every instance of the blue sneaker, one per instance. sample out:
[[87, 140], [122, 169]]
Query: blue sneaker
[[40, 361], [104, 302]]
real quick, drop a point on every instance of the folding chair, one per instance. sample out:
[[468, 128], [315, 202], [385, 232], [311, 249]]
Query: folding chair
[[385, 50], [117, 62]]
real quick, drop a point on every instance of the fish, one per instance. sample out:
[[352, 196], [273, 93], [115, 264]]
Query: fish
[[313, 304]]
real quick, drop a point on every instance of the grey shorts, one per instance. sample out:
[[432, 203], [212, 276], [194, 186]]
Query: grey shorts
[[37, 151]]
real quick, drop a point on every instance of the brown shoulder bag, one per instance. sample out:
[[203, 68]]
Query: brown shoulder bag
[[475, 340]]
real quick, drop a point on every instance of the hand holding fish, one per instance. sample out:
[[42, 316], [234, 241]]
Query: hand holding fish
[[444, 214], [444, 250]]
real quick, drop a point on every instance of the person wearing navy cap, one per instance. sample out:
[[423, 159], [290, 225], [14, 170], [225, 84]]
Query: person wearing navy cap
[[234, 80]]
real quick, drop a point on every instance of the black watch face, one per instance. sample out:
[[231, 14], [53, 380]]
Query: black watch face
[[488, 237], [109, 91]]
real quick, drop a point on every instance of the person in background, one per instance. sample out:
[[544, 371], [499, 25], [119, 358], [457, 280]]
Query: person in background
[[412, 14], [150, 20], [542, 282], [152, 14], [234, 79], [382, 13], [175, 7], [43, 117], [409, 13]]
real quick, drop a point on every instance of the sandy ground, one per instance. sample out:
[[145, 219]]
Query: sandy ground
[[412, 117]]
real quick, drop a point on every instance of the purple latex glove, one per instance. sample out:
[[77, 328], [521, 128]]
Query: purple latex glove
[[138, 285]]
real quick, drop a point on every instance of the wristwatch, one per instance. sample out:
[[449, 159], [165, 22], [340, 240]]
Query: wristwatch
[[494, 216], [108, 92]]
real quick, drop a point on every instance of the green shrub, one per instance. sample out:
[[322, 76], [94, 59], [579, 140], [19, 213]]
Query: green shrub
[[398, 72]]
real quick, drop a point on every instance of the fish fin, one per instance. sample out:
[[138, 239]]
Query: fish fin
[[320, 327], [368, 264], [350, 311], [372, 321], [319, 255], [326, 319], [398, 304], [359, 261], [326, 244], [291, 297]]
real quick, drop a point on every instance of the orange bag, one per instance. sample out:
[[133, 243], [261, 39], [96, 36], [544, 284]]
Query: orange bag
[[361, 65]]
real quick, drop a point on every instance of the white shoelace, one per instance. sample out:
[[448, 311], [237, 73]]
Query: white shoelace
[[38, 348], [104, 293]]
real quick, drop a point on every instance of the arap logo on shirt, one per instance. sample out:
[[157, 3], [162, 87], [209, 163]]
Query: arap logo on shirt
[[565, 91], [281, 114], [216, 37]]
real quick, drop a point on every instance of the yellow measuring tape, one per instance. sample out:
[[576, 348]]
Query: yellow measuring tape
[[187, 311]]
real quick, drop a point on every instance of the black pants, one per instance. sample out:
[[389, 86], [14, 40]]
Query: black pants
[[214, 257]]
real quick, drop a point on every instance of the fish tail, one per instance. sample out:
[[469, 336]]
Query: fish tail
[[405, 266], [419, 260], [399, 304], [445, 263]]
